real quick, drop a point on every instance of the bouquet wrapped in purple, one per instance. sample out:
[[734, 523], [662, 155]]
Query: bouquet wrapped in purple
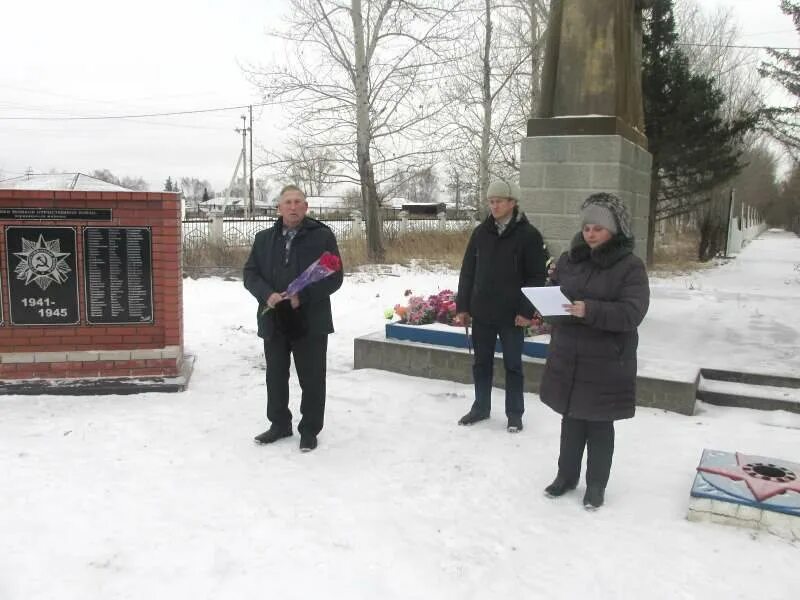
[[323, 267]]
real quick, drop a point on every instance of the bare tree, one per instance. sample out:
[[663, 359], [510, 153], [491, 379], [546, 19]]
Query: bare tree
[[713, 217], [352, 199], [713, 52], [463, 195], [783, 69], [194, 188], [426, 185], [757, 185], [494, 83], [105, 175], [359, 78], [306, 165], [263, 189], [786, 211], [529, 32], [414, 184], [131, 183], [134, 183]]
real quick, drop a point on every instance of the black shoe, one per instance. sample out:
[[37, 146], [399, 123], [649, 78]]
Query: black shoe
[[593, 499], [308, 441], [559, 487], [472, 417], [514, 424], [273, 434]]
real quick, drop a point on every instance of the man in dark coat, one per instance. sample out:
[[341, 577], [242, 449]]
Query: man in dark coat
[[504, 254], [590, 374], [295, 325]]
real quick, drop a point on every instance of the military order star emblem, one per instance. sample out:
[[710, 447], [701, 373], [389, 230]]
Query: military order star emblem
[[764, 480], [42, 262]]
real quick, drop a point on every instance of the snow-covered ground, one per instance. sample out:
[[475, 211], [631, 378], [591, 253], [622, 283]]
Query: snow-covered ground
[[740, 316], [165, 495]]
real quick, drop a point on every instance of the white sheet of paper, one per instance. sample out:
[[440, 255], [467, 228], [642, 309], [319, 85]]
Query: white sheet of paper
[[549, 301]]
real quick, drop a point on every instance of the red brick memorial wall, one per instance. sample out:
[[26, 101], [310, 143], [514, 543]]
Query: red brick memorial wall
[[90, 284]]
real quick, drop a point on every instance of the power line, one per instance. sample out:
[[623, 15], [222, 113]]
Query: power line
[[737, 46], [262, 104], [137, 116], [762, 33], [68, 114]]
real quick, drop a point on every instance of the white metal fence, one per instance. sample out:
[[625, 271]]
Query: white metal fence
[[240, 232], [742, 228]]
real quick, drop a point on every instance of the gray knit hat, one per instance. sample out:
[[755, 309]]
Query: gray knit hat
[[597, 214], [503, 189], [608, 211]]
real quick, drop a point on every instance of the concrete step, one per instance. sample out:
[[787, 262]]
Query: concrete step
[[750, 395], [782, 381]]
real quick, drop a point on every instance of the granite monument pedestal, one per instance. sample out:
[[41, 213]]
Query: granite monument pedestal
[[566, 160]]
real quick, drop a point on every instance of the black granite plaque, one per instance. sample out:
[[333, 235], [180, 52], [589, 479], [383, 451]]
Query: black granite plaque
[[55, 214], [118, 268], [42, 275]]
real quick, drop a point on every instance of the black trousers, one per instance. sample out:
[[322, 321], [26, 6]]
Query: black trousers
[[310, 352], [484, 338], [598, 437]]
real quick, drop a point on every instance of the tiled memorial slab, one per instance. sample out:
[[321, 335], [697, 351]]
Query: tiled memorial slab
[[754, 492]]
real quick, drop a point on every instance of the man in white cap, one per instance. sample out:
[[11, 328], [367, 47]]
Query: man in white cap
[[504, 254]]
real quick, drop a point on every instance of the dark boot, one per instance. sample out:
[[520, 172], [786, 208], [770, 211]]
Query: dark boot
[[308, 442], [559, 487], [273, 434], [594, 497], [472, 417], [514, 424]]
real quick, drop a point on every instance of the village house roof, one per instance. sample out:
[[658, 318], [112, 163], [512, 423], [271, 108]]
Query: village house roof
[[60, 181]]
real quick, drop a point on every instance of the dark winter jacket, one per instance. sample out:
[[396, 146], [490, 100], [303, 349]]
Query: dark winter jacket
[[495, 267], [591, 362], [266, 271]]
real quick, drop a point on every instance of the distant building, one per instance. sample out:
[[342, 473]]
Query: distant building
[[396, 203], [418, 208], [233, 206], [423, 208], [321, 204]]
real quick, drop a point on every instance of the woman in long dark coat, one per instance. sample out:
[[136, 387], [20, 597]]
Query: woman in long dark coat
[[590, 375]]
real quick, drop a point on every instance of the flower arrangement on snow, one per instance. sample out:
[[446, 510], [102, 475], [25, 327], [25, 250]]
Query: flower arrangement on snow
[[441, 308]]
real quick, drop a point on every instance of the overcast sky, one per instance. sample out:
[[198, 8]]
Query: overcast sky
[[88, 58]]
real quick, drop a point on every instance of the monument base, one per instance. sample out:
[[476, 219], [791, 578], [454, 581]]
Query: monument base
[[440, 361], [101, 386], [588, 125], [752, 492], [559, 170]]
